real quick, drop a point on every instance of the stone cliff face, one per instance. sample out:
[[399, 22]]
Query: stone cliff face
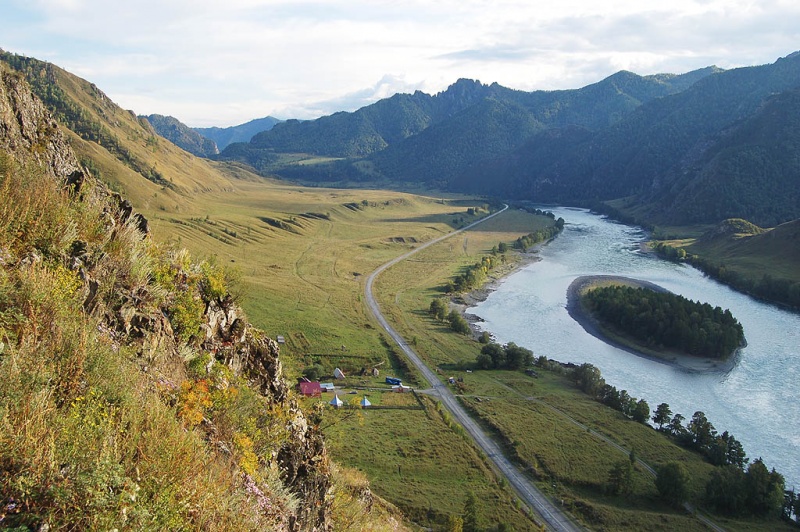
[[137, 314], [28, 132]]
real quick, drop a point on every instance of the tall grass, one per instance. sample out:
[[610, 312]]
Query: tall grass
[[97, 432]]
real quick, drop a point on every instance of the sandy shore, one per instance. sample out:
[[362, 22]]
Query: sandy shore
[[590, 325]]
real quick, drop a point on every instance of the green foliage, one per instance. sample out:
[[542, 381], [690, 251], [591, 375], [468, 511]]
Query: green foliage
[[510, 356], [641, 412], [663, 415], [471, 516], [763, 489], [542, 235], [186, 314], [458, 323], [672, 482], [313, 372], [438, 309], [214, 282], [620, 478], [668, 320], [89, 439], [757, 491], [474, 276], [770, 287]]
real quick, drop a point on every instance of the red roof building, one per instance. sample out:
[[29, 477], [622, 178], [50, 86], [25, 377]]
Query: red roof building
[[310, 389]]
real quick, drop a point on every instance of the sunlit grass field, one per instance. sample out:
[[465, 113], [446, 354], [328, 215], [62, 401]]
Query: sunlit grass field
[[303, 254]]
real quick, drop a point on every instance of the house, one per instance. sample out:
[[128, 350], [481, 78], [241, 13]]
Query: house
[[327, 386], [310, 389], [339, 374], [336, 402]]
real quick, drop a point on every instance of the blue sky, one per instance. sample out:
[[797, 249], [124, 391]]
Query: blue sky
[[209, 63]]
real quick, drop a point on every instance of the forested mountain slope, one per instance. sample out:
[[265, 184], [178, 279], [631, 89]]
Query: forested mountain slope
[[694, 148], [223, 136], [388, 122], [725, 147], [182, 135]]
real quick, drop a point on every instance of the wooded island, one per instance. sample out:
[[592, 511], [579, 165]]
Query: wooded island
[[665, 321]]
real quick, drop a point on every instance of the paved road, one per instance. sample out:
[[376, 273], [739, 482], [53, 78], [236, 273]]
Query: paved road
[[549, 512]]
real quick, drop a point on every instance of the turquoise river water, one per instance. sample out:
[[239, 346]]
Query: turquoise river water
[[758, 401]]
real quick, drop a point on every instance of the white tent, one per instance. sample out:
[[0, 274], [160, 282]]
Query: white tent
[[365, 402], [336, 402]]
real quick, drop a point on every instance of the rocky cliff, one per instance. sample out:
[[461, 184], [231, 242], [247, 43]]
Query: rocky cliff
[[28, 132], [136, 393]]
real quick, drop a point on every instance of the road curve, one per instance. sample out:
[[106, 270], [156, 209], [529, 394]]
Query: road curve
[[552, 515]]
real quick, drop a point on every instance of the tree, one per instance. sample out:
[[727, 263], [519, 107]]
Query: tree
[[485, 337], [496, 353], [484, 361], [313, 373], [672, 482], [702, 431], [641, 411], [662, 415], [455, 524], [678, 431], [517, 357], [626, 402], [438, 309], [471, 513], [764, 489], [620, 478], [725, 490], [588, 379], [458, 323], [736, 455]]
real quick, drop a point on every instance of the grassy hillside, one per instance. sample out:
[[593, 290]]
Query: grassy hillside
[[113, 412], [135, 393], [118, 147], [761, 262]]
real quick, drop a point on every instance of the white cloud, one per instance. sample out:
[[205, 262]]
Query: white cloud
[[249, 58]]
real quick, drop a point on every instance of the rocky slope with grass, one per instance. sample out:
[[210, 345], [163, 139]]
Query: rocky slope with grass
[[135, 393]]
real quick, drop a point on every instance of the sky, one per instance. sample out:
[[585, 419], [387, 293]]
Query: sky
[[222, 63]]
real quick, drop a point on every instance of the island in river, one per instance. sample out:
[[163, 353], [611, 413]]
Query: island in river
[[578, 308]]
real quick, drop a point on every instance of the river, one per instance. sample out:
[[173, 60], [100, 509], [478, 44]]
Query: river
[[758, 401]]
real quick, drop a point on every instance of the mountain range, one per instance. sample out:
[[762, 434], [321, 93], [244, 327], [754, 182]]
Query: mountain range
[[691, 148], [224, 136]]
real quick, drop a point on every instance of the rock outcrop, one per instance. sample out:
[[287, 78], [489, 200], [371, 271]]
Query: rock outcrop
[[29, 133], [135, 312]]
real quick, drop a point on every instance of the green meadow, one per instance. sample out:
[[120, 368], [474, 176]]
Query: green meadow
[[302, 256]]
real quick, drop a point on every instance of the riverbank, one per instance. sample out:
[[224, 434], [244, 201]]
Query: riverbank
[[592, 326], [496, 277]]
